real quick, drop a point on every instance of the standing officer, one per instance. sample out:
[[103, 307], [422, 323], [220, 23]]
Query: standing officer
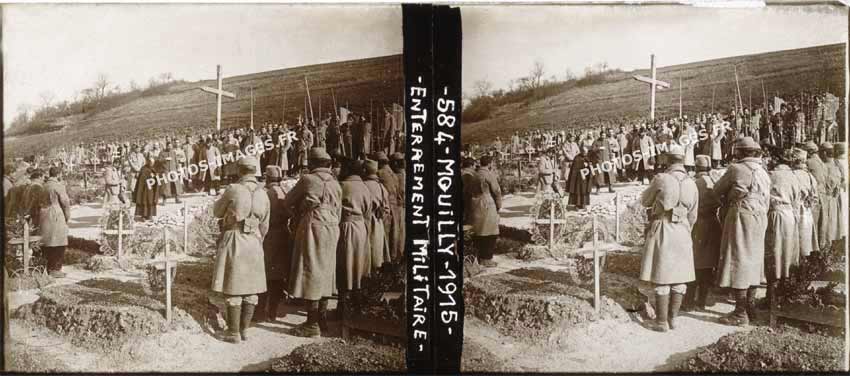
[[668, 261], [380, 210], [315, 203], [276, 248], [745, 191], [55, 213], [485, 201], [705, 236], [240, 272]]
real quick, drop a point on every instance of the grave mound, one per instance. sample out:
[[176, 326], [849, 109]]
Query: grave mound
[[530, 303], [102, 313], [337, 355]]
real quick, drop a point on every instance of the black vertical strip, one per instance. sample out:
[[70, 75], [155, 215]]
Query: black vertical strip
[[448, 206], [419, 248]]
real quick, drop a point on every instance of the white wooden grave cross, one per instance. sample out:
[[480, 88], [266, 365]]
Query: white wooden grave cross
[[551, 221], [25, 242], [120, 232], [218, 93], [653, 84]]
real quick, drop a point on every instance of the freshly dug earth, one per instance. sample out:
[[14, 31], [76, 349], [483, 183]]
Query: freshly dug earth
[[764, 349], [477, 358], [529, 303], [356, 356], [101, 313]]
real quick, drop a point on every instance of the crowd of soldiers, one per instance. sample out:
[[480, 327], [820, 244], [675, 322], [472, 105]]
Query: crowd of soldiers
[[342, 220], [753, 224]]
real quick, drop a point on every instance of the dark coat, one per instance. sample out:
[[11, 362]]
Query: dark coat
[[578, 185], [142, 195], [277, 246]]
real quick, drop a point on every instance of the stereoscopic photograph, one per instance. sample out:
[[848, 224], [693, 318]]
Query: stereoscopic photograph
[[655, 188], [203, 188]]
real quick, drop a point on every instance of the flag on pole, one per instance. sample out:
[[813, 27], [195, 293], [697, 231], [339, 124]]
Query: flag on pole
[[343, 115]]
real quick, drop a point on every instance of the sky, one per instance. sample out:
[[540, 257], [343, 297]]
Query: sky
[[502, 43], [62, 48]]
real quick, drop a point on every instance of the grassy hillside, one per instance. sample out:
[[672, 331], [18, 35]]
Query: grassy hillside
[[183, 108], [783, 72]]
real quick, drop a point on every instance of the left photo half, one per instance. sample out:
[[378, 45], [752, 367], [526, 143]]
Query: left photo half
[[203, 188]]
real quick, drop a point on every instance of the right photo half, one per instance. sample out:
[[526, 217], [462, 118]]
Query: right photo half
[[655, 188]]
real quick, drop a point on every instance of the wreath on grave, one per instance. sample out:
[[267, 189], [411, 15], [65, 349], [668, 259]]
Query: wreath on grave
[[14, 255], [540, 214], [109, 223]]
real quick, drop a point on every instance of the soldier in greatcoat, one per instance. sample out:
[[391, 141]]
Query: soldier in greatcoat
[[315, 205], [240, 272], [112, 184], [212, 175], [816, 167], [807, 229], [136, 160], [485, 201], [397, 166], [55, 212], [668, 260], [745, 191], [170, 161], [276, 248], [546, 170], [782, 242], [705, 236], [388, 178], [15, 200], [840, 153], [375, 219], [828, 219], [353, 258]]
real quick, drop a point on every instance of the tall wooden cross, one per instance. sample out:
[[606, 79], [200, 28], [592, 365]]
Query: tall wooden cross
[[218, 93], [653, 84]]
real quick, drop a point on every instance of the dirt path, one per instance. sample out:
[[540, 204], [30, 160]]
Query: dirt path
[[606, 346]]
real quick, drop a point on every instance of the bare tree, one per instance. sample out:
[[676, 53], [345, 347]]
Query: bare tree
[[46, 98], [569, 75], [134, 86], [24, 111], [166, 77], [482, 88], [100, 86], [536, 76]]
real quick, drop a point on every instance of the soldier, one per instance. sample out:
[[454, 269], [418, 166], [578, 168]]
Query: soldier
[[136, 160], [782, 247], [840, 153], [388, 179], [239, 271], [745, 191], [315, 204], [170, 160], [668, 259], [816, 167], [112, 182], [375, 220], [704, 235], [189, 156], [15, 200], [808, 235], [276, 248], [397, 166], [55, 212], [546, 175], [829, 196], [485, 201], [353, 258]]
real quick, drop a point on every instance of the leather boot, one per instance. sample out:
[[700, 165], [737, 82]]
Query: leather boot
[[273, 304], [247, 314], [262, 307], [739, 316], [751, 303], [662, 308], [675, 304], [689, 303], [234, 315], [323, 314], [310, 328], [702, 297]]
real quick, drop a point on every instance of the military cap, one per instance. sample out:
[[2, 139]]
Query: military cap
[[319, 154], [370, 167], [397, 156], [811, 147], [273, 172], [381, 156], [248, 162], [676, 150], [826, 146], [747, 143], [702, 161]]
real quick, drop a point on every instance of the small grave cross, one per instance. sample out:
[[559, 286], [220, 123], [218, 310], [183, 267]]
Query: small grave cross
[[218, 93], [653, 84]]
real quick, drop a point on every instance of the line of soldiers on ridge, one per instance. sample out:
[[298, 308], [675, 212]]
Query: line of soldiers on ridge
[[769, 218], [342, 220]]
